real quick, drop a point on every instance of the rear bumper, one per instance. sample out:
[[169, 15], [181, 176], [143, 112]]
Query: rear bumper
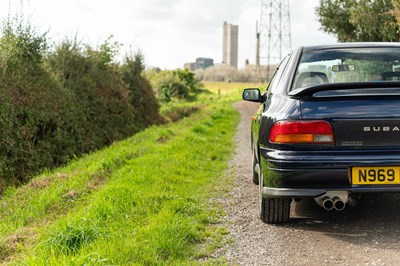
[[312, 173], [269, 192]]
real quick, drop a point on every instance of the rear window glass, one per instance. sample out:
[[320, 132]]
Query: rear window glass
[[347, 65]]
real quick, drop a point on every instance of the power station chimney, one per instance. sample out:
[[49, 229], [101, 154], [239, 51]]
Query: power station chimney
[[257, 46]]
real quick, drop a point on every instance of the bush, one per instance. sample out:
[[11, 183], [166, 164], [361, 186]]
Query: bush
[[189, 79], [146, 107], [35, 117], [105, 112], [170, 84], [65, 102]]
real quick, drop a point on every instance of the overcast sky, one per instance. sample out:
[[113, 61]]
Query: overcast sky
[[168, 32]]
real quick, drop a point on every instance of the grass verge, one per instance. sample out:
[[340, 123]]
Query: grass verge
[[141, 201]]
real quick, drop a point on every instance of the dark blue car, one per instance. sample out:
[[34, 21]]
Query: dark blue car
[[328, 127]]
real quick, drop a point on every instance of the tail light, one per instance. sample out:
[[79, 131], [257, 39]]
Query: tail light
[[307, 132]]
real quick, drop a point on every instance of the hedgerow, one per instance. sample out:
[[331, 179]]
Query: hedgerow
[[60, 101]]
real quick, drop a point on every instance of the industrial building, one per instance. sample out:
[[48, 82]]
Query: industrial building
[[230, 44], [201, 63]]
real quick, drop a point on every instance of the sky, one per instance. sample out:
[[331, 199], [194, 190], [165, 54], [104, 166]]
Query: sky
[[169, 33]]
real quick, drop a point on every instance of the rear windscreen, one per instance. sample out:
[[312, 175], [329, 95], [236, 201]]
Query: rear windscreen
[[347, 65]]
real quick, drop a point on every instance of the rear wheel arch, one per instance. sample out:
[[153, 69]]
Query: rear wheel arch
[[256, 163]]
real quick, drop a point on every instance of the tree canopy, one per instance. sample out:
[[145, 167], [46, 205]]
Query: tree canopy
[[361, 20]]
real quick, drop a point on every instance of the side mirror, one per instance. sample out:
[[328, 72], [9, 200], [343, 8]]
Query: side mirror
[[252, 95]]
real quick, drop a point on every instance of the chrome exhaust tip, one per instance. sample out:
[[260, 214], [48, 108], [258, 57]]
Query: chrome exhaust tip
[[338, 204], [334, 200], [327, 203]]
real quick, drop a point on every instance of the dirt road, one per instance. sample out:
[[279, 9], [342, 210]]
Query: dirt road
[[368, 234]]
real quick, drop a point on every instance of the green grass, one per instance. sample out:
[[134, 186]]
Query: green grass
[[142, 201]]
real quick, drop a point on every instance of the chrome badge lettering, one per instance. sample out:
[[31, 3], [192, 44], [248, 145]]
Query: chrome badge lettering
[[378, 129]]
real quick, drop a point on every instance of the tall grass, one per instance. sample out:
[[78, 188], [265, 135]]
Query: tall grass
[[141, 201]]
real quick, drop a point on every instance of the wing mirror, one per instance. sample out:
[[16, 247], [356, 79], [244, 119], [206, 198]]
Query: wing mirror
[[252, 95]]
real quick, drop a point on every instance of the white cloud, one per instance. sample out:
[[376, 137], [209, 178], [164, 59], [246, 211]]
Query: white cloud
[[169, 32], [305, 25]]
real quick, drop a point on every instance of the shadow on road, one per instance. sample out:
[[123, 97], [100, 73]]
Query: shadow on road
[[375, 220]]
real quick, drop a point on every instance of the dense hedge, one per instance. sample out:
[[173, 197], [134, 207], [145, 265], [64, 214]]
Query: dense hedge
[[60, 102]]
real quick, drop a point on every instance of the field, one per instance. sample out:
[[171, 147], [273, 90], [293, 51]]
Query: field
[[231, 88]]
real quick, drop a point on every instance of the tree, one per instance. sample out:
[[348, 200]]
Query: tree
[[360, 20]]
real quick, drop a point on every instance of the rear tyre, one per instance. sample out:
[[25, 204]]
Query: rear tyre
[[275, 211]]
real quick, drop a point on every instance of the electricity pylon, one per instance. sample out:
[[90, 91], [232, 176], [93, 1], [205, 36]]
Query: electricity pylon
[[274, 39]]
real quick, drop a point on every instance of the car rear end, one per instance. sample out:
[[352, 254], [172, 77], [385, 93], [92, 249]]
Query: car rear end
[[346, 139]]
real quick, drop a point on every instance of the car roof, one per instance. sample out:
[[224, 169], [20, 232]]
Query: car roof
[[352, 45]]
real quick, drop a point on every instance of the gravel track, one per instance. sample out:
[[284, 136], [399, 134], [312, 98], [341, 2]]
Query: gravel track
[[368, 234]]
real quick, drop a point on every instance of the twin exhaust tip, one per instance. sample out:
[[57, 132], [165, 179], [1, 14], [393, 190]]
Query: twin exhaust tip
[[335, 200], [333, 203]]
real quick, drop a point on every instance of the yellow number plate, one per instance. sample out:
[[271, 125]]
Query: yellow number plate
[[375, 175]]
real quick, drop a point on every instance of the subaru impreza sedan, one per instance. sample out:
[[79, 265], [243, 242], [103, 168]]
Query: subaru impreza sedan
[[328, 127]]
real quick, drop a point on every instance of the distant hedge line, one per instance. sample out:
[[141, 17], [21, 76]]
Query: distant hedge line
[[62, 101]]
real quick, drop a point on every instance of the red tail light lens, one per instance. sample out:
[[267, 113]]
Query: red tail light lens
[[308, 132]]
